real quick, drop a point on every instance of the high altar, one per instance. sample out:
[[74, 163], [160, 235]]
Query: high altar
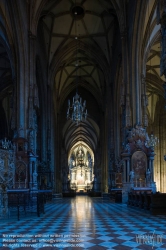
[[80, 169]]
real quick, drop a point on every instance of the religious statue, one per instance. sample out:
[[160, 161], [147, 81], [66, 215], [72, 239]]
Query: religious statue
[[72, 162], [80, 153], [148, 175], [131, 176], [164, 157]]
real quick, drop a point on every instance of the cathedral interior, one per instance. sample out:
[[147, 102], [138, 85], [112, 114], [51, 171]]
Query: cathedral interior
[[83, 97]]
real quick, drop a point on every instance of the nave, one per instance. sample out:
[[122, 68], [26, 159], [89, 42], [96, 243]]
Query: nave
[[84, 223]]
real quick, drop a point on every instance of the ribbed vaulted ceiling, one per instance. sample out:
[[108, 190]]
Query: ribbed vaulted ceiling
[[79, 49]]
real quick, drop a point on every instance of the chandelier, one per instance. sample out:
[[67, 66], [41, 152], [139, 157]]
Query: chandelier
[[76, 112]]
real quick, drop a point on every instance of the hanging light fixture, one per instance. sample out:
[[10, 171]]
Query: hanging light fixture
[[76, 112]]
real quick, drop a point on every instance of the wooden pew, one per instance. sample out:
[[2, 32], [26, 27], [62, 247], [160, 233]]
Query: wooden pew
[[158, 204]]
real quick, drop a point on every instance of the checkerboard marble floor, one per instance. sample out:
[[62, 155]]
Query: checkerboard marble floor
[[84, 223]]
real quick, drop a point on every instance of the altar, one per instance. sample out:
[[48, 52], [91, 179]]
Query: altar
[[81, 169], [136, 166]]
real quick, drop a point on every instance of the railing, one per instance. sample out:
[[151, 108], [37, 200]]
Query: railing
[[18, 198]]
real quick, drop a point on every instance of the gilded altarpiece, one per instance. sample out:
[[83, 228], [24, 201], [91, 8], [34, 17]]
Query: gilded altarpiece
[[139, 167], [138, 160]]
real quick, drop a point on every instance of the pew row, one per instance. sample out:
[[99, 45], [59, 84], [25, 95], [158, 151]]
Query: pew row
[[155, 203]]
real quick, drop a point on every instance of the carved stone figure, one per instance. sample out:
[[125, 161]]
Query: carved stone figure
[[164, 157], [131, 176], [148, 175]]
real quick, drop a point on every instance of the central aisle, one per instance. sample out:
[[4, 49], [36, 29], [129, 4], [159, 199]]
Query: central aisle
[[87, 223]]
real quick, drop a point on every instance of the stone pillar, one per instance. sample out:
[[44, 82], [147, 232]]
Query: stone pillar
[[144, 102], [14, 112], [125, 79], [161, 14], [32, 94]]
